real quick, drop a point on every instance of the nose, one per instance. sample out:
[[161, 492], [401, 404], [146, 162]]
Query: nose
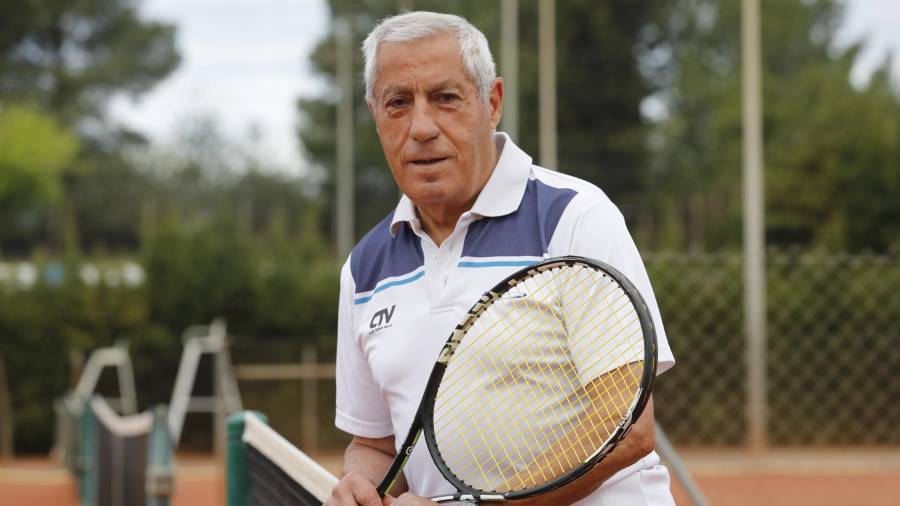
[[424, 125]]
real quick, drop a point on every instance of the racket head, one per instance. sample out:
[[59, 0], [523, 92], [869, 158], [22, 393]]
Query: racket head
[[480, 384]]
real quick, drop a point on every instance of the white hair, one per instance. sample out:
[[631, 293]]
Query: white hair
[[410, 26]]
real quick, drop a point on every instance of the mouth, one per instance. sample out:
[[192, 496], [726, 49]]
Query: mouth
[[425, 162]]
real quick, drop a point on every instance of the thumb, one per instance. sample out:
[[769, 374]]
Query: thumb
[[388, 500]]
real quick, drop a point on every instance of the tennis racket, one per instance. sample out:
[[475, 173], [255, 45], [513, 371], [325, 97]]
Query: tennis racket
[[547, 372]]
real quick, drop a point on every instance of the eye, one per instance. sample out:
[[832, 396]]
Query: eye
[[396, 103], [446, 98]]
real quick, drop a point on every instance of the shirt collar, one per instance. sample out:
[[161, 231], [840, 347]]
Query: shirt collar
[[404, 213], [499, 197], [506, 186]]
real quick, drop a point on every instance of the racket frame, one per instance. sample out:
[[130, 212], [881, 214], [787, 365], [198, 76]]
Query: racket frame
[[423, 422]]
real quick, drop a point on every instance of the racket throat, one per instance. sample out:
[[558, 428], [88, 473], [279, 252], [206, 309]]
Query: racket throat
[[399, 462]]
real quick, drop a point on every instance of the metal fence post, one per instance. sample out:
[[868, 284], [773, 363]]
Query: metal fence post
[[6, 418], [754, 230], [310, 400]]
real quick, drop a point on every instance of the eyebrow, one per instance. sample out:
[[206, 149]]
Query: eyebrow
[[448, 83], [443, 85], [394, 89]]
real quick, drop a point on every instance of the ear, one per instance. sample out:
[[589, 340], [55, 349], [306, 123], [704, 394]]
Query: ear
[[496, 101]]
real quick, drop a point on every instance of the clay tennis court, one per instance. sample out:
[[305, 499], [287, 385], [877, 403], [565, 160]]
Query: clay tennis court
[[42, 482], [779, 478]]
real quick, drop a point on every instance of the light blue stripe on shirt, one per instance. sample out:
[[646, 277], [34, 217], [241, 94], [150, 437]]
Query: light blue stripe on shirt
[[498, 263], [367, 298]]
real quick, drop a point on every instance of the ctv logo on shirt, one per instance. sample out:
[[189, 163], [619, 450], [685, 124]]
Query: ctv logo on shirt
[[381, 319]]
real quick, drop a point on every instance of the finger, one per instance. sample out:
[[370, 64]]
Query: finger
[[367, 496], [354, 490], [409, 499], [341, 496]]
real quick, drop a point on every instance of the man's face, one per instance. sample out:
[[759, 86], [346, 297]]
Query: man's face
[[435, 128]]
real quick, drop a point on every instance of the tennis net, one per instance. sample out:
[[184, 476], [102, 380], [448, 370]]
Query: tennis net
[[120, 455], [264, 469]]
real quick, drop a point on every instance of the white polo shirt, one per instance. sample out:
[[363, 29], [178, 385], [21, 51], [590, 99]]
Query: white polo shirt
[[401, 296]]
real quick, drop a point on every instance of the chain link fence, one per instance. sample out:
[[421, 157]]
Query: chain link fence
[[833, 355]]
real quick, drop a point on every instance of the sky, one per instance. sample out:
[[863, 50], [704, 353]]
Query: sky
[[245, 63]]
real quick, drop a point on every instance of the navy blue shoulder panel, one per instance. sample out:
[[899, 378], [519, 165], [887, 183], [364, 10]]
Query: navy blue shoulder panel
[[379, 255], [525, 232]]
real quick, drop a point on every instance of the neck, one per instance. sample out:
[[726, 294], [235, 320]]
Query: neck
[[439, 223]]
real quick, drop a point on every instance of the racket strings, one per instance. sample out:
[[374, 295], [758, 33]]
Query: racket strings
[[592, 441], [446, 385], [583, 451], [576, 448], [509, 336], [566, 403], [595, 430], [503, 331], [509, 323], [544, 463], [535, 441], [537, 438], [529, 365]]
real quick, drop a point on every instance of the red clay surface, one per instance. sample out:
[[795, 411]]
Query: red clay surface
[[817, 478], [41, 482], [818, 490]]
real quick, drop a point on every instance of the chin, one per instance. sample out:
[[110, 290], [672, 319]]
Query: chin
[[427, 189], [427, 198]]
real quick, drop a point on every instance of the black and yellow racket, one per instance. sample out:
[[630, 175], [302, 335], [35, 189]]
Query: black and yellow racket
[[544, 376]]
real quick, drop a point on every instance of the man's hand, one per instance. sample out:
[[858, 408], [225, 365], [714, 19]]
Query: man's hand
[[365, 462], [355, 489], [407, 499]]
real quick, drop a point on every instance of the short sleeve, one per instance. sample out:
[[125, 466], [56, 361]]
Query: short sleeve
[[598, 231], [360, 408]]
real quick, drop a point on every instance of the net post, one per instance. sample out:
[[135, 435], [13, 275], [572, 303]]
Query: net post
[[160, 472], [68, 445], [87, 457], [235, 457]]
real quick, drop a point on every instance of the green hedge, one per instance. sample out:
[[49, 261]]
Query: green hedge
[[264, 283], [832, 354]]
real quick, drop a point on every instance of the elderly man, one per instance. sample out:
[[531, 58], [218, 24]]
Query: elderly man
[[474, 209]]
